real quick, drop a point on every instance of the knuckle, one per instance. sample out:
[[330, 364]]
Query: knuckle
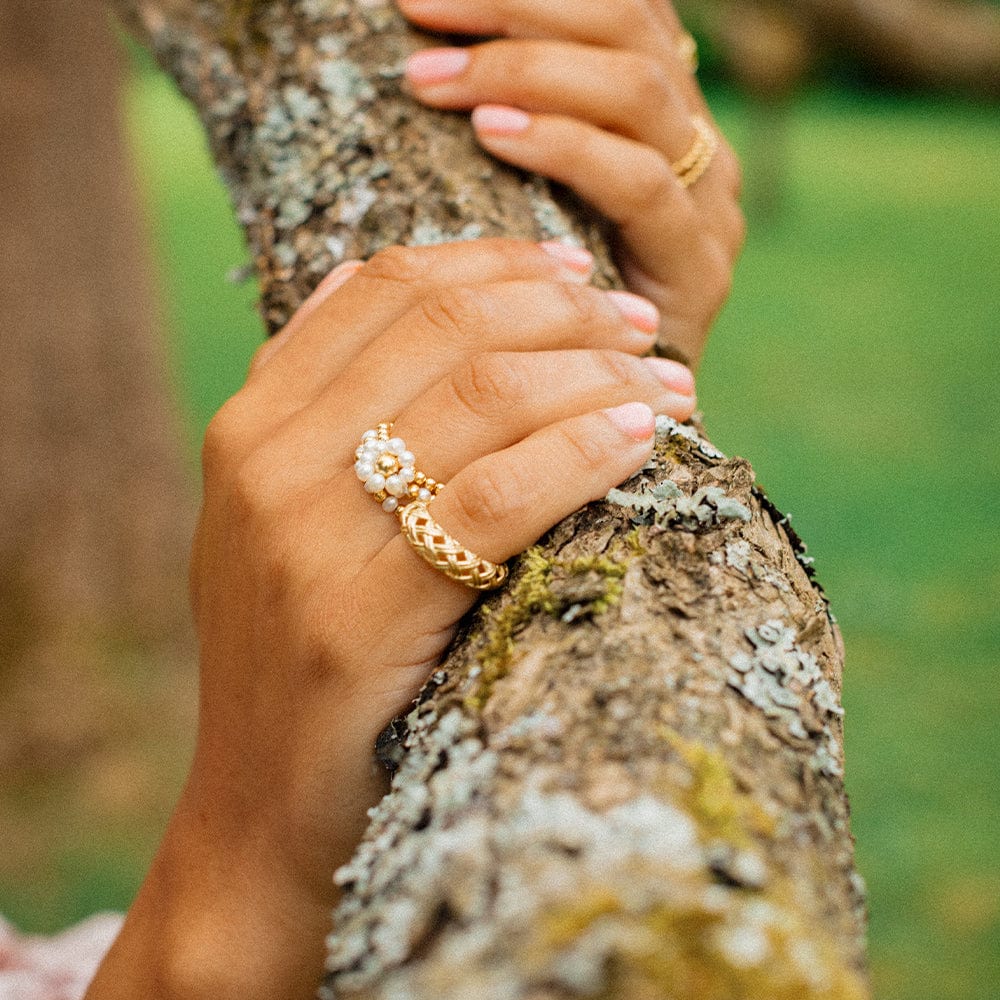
[[224, 439], [731, 169], [489, 383], [578, 304], [256, 493], [453, 312], [719, 274], [652, 184], [405, 265], [587, 453], [618, 368], [489, 498], [650, 84]]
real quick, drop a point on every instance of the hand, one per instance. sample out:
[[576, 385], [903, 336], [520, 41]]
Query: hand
[[596, 95], [508, 377]]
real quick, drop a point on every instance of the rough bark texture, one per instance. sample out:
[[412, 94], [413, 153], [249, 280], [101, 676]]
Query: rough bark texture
[[626, 779], [96, 503]]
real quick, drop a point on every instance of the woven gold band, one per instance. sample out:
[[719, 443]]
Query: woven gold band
[[698, 159], [443, 552]]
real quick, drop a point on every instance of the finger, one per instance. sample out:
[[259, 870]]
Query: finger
[[356, 311], [500, 505], [624, 92], [340, 275], [636, 188], [627, 23], [441, 336], [499, 399]]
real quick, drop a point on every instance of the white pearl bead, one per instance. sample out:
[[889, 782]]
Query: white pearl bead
[[363, 469], [395, 486], [375, 483], [424, 495], [395, 445], [389, 505], [369, 435], [407, 473], [407, 458]]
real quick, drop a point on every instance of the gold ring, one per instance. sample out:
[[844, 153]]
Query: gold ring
[[687, 51], [700, 156], [388, 469], [433, 544]]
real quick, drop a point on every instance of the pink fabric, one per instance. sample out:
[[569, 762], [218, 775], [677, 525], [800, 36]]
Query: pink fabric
[[54, 968]]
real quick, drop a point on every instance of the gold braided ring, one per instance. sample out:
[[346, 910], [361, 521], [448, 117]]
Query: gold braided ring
[[388, 470], [687, 51], [433, 544], [698, 159]]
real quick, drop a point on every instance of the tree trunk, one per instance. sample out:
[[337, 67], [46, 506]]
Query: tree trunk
[[96, 504], [626, 779]]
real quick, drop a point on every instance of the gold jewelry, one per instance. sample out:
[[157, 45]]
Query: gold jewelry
[[433, 544], [698, 159], [687, 51], [388, 470]]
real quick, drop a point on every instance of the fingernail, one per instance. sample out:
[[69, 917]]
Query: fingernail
[[495, 119], [673, 375], [575, 258], [638, 311], [436, 65], [634, 419], [337, 277]]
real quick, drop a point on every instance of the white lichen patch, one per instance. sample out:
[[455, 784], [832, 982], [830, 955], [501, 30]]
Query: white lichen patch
[[668, 427], [667, 504], [785, 682], [428, 233], [553, 223]]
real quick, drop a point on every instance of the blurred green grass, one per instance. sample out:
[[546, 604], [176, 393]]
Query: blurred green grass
[[856, 365]]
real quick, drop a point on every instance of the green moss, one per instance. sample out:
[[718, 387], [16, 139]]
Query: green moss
[[530, 596], [689, 949], [720, 809], [534, 594]]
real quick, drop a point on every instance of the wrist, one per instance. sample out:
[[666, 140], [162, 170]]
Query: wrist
[[214, 922]]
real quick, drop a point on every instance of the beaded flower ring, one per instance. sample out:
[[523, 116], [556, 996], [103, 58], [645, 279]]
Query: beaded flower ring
[[389, 471]]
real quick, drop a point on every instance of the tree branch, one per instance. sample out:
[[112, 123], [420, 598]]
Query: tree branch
[[626, 777]]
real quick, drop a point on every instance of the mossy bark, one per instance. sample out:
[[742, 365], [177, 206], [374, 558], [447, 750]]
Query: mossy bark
[[626, 779]]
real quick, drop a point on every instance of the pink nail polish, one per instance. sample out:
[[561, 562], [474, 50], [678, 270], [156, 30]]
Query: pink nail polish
[[640, 312], [436, 66], [337, 277], [674, 376], [575, 258], [633, 419], [495, 119]]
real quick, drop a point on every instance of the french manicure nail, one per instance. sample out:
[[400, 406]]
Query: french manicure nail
[[495, 119], [640, 312], [634, 419], [436, 65], [674, 376], [575, 258]]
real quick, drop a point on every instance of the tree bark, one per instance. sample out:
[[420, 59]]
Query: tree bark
[[626, 779]]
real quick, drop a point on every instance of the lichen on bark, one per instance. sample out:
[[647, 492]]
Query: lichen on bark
[[625, 780]]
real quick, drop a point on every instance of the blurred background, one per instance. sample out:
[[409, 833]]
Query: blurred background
[[856, 366]]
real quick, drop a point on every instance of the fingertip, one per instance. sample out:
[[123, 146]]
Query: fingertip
[[635, 420], [499, 121]]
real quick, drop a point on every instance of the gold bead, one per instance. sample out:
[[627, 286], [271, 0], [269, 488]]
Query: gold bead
[[388, 465]]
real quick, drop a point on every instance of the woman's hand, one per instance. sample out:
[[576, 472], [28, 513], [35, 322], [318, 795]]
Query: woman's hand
[[600, 97], [512, 381]]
